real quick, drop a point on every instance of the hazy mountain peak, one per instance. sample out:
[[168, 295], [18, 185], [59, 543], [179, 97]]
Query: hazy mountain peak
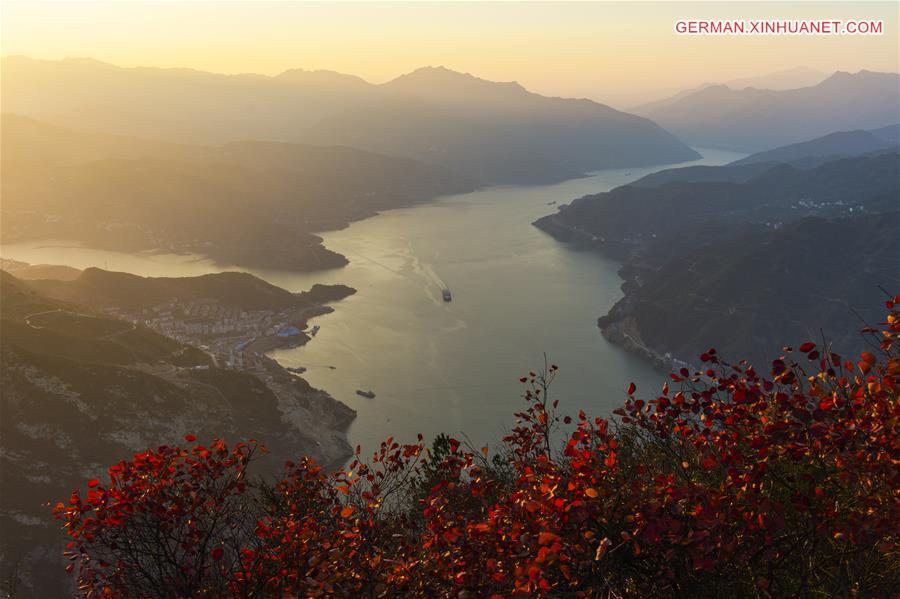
[[793, 78], [432, 72], [437, 76], [752, 119], [86, 61], [861, 75], [321, 77]]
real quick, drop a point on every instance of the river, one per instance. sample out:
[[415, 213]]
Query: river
[[439, 366]]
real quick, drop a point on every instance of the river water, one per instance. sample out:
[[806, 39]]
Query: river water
[[439, 366]]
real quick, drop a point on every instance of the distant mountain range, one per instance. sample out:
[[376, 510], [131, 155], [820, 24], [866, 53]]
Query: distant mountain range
[[498, 132], [753, 119], [488, 131], [779, 80], [82, 390], [243, 203], [746, 257]]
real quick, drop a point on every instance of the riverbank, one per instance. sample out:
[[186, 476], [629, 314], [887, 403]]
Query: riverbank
[[617, 326], [623, 331]]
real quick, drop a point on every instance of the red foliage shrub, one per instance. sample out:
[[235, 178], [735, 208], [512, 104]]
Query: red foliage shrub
[[728, 483], [169, 523]]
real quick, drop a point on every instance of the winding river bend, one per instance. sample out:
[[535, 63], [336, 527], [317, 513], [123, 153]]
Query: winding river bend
[[439, 366]]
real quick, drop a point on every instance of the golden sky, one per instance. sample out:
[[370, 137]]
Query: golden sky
[[610, 51]]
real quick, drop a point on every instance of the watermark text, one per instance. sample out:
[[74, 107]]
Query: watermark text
[[778, 27]]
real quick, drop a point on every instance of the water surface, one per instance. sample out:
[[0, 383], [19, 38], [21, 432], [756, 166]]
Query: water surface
[[454, 366]]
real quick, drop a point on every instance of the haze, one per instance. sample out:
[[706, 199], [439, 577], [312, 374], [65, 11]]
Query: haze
[[580, 50]]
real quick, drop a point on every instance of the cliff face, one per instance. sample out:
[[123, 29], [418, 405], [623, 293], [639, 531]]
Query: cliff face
[[82, 391]]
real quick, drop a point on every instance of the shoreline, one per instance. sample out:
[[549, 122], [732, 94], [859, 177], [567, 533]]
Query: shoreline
[[619, 330], [624, 334]]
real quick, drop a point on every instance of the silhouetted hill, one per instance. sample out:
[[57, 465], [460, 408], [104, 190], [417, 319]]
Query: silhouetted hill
[[805, 155], [331, 81], [756, 119], [780, 80], [731, 173], [102, 289], [829, 147], [495, 132], [245, 203]]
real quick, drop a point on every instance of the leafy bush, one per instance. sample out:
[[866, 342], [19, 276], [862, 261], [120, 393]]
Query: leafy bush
[[728, 483]]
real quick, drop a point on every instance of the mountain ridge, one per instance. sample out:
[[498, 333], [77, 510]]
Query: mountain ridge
[[566, 137]]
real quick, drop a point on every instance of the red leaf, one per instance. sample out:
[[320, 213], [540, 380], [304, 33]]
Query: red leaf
[[545, 538], [93, 483], [190, 438], [632, 388], [217, 553]]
